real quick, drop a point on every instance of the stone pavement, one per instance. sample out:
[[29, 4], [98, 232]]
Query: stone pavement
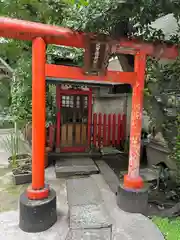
[[68, 167], [108, 175], [9, 229], [92, 213], [125, 226], [87, 212], [113, 181]]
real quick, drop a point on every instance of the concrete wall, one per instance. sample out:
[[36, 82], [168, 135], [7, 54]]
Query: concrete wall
[[109, 105], [114, 65]]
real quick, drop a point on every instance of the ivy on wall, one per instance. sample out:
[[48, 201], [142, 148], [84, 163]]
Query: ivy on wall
[[21, 93], [175, 155]]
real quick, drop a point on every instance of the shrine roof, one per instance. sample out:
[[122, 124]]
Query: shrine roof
[[52, 80]]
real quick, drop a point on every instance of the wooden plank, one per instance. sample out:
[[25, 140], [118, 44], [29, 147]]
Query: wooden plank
[[84, 134], [63, 135], [70, 134], [75, 73], [78, 134]]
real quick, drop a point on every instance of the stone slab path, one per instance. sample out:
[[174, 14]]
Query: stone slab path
[[68, 167], [9, 229], [89, 234], [125, 226], [87, 212], [108, 174]]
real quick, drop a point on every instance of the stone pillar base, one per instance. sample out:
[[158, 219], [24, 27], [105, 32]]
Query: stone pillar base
[[133, 200], [37, 215]]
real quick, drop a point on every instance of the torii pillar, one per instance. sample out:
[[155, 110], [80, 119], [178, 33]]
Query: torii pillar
[[38, 203], [132, 195]]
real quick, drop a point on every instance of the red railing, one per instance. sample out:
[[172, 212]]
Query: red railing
[[51, 136], [107, 130]]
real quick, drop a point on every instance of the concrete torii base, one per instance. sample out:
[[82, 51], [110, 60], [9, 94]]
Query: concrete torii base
[[132, 200], [37, 215]]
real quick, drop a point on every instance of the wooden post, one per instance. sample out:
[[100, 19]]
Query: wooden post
[[109, 129], [89, 117], [104, 131], [119, 130], [114, 130], [38, 190], [51, 136], [99, 129], [94, 128], [132, 179], [58, 118]]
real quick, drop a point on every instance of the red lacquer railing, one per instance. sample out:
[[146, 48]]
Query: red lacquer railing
[[107, 130], [51, 136]]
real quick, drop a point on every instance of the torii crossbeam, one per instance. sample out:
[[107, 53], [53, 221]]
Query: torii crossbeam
[[41, 35]]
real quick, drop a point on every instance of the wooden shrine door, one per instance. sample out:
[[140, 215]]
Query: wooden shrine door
[[75, 120]]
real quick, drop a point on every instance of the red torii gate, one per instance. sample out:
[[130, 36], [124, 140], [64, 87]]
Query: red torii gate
[[40, 35]]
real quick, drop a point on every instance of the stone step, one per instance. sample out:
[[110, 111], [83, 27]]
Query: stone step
[[88, 217], [89, 234], [108, 175], [110, 151], [82, 191], [59, 155], [68, 167]]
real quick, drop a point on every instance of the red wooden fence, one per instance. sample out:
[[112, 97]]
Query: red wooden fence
[[51, 135], [107, 130]]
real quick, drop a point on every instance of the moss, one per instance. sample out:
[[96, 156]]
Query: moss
[[15, 190], [3, 171], [6, 209], [9, 193], [9, 197], [170, 228]]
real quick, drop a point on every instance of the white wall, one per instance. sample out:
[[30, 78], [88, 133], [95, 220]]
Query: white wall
[[109, 105], [114, 65]]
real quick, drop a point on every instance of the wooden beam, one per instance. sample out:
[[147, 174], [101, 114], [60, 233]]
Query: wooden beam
[[126, 67], [75, 73], [157, 50], [25, 30]]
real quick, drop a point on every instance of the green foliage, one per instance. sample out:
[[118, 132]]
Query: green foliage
[[46, 11], [51, 110], [161, 97], [105, 15], [18, 53], [176, 150], [11, 145], [61, 52], [169, 228], [21, 90], [5, 96]]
